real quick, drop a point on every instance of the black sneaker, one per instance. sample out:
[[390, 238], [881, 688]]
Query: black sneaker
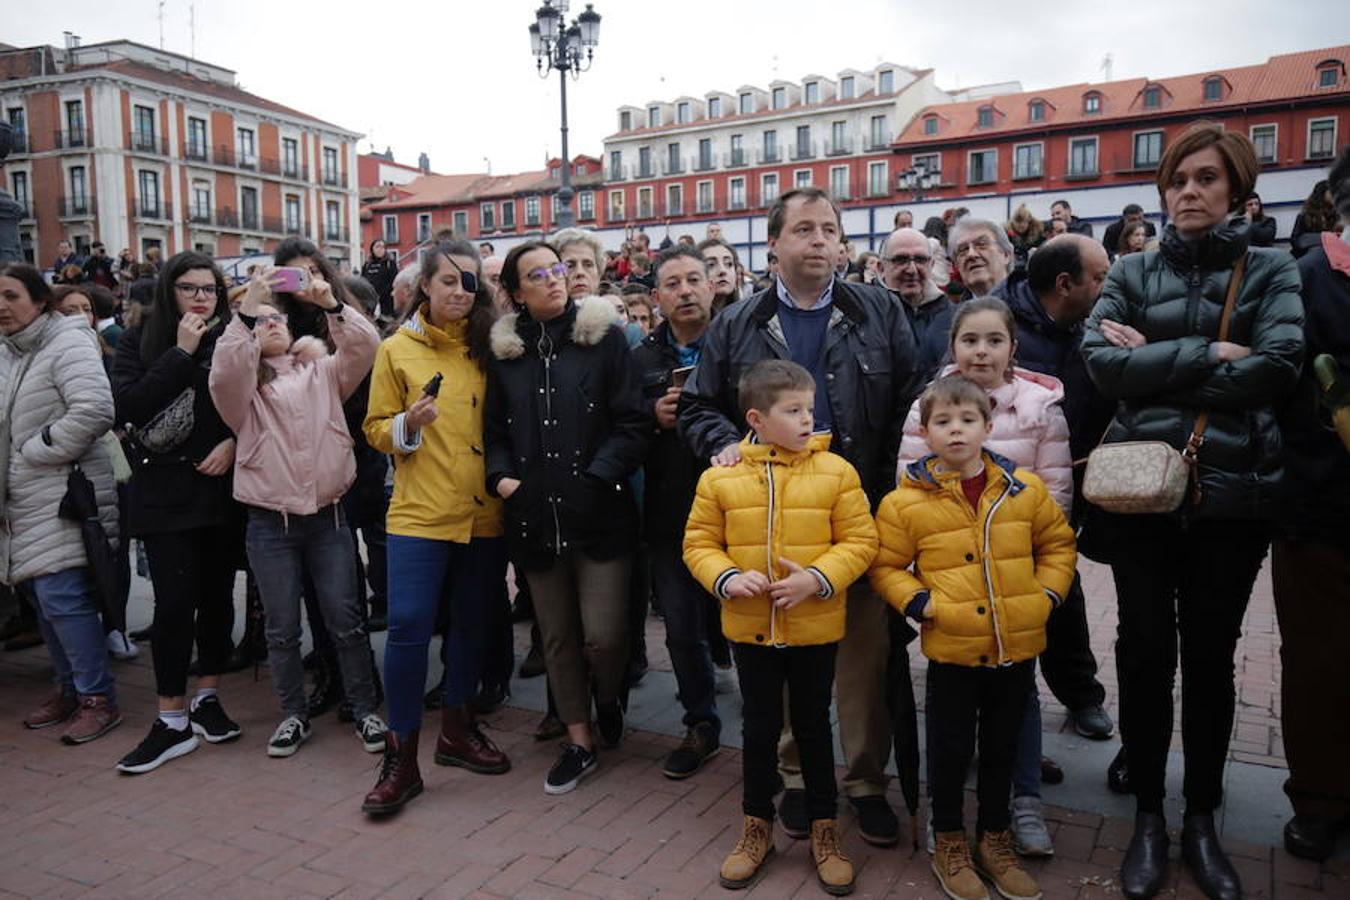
[[1092, 722], [792, 814], [209, 720], [609, 722], [574, 764], [700, 744], [160, 745], [877, 823], [290, 734]]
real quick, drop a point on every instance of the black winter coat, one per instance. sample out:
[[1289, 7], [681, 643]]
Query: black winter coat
[[1260, 233], [166, 492], [564, 415], [872, 377], [1175, 297], [931, 322], [381, 273], [672, 471]]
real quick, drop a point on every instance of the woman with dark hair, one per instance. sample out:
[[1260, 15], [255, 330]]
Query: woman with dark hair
[[179, 503], [565, 428], [55, 405], [380, 270], [1183, 579], [1318, 215], [445, 531], [722, 264], [1260, 227], [1133, 237]]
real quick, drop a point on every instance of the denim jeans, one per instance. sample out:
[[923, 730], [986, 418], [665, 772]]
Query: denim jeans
[[281, 549], [424, 574], [68, 618], [1026, 776], [687, 608]]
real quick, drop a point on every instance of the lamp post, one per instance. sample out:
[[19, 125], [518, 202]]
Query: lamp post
[[567, 48], [917, 179]]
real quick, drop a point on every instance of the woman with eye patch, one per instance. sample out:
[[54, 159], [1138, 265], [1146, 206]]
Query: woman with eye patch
[[565, 428], [445, 541]]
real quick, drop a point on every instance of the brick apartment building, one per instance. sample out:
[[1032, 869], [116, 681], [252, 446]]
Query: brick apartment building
[[141, 147]]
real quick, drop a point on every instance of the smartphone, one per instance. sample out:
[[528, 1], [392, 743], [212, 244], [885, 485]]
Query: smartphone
[[433, 387], [679, 376], [289, 279]]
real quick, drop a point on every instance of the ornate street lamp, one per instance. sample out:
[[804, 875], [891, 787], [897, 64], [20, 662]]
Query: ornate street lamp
[[566, 48], [917, 179]]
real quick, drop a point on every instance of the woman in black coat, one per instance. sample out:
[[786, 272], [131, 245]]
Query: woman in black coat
[[380, 270], [1152, 346], [564, 430], [180, 501]]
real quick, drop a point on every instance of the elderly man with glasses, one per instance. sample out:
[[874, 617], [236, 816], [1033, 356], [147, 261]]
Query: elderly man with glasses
[[982, 253], [907, 270]]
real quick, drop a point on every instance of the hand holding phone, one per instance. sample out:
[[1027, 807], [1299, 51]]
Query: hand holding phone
[[289, 279], [680, 375], [433, 387]]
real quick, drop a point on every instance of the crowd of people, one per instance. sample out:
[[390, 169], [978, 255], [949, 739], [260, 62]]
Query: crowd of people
[[800, 473]]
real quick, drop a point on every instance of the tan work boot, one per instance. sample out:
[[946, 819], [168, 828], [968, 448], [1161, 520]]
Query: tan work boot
[[833, 868], [952, 866], [996, 860], [746, 860]]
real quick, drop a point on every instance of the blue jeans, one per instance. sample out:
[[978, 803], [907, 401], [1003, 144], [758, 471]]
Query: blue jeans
[[423, 574], [68, 619], [688, 609], [1026, 775], [280, 551]]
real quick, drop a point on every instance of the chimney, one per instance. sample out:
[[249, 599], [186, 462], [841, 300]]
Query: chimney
[[424, 163], [72, 40]]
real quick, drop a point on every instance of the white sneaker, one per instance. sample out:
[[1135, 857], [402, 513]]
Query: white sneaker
[[290, 734], [121, 646], [1030, 836]]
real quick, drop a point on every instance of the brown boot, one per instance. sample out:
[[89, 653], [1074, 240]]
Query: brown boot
[[997, 861], [53, 711], [953, 868], [400, 779], [462, 744], [833, 868], [96, 717], [743, 865]]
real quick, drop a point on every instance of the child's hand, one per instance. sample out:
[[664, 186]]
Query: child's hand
[[796, 587], [747, 584]]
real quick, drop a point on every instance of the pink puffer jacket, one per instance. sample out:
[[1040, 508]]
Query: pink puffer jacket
[[1029, 428], [294, 452]]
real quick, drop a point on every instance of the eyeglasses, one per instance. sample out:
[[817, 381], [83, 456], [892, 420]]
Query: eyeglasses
[[541, 274], [900, 260], [981, 244], [278, 318], [199, 290]]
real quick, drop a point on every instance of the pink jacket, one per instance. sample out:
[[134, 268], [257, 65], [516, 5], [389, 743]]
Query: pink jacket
[[294, 452], [1029, 428]]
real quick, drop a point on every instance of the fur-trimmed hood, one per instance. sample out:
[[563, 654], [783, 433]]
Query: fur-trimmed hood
[[592, 318]]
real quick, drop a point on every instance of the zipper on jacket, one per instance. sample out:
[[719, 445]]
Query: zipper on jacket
[[988, 574], [768, 552], [545, 349], [1193, 296]]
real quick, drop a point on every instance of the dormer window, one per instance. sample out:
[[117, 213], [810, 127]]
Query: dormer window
[[714, 107], [682, 113], [930, 125], [1329, 74], [1036, 111], [779, 97], [625, 121], [653, 116], [1213, 88], [1152, 97], [846, 87], [747, 103], [984, 118], [1092, 104], [813, 92], [886, 82]]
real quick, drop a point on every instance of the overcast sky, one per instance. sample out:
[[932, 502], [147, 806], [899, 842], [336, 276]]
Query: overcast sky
[[456, 78]]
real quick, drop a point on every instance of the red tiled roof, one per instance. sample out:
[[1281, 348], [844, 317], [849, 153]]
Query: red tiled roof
[[187, 82], [1281, 77], [432, 190]]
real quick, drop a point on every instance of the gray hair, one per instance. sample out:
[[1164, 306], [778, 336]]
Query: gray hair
[[406, 275], [569, 236], [969, 223]]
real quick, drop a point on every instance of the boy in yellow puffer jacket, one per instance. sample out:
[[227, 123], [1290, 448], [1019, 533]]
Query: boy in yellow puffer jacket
[[778, 537], [992, 555]]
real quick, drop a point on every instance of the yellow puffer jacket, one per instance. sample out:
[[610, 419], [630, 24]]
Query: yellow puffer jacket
[[985, 580], [807, 506], [439, 485]]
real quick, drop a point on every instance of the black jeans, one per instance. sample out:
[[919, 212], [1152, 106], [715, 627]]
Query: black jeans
[[808, 673], [1190, 582], [193, 575], [1068, 665], [963, 702]]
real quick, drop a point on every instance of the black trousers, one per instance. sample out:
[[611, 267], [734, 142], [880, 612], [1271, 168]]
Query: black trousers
[[970, 705], [1069, 667], [193, 575], [1180, 587], [808, 673]]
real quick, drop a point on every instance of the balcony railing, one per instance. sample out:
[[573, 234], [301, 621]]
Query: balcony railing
[[19, 143], [199, 216], [295, 227], [196, 153], [736, 159], [771, 155], [146, 142], [704, 163], [25, 206], [269, 165], [616, 173], [803, 150], [335, 179], [646, 171], [273, 224], [64, 140], [248, 219], [338, 235], [291, 169], [79, 205], [672, 167], [839, 147], [247, 161], [151, 208], [877, 143]]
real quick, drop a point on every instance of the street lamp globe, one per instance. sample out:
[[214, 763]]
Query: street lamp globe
[[589, 21]]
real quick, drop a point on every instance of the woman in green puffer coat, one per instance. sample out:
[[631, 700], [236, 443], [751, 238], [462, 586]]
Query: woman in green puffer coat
[[1152, 345]]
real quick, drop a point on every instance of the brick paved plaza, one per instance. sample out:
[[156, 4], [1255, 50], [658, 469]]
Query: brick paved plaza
[[226, 821]]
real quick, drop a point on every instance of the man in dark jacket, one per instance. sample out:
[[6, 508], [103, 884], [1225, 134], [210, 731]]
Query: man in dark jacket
[[65, 256], [857, 343], [98, 268], [664, 360], [1132, 213], [1064, 279], [1061, 210], [907, 269]]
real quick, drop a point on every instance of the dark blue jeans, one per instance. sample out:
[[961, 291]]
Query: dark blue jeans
[[67, 616], [689, 611], [423, 575]]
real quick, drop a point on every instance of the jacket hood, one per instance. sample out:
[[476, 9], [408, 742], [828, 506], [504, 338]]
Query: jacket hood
[[422, 331], [591, 319], [1218, 249], [1029, 395], [921, 473], [756, 452]]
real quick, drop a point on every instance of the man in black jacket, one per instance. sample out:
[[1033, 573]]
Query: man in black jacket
[[1132, 213], [858, 344], [1061, 210], [664, 360]]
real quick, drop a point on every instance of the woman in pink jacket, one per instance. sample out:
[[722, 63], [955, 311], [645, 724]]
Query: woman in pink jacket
[[1030, 429], [294, 461]]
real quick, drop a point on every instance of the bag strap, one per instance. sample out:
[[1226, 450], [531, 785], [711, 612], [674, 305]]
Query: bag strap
[[1197, 437]]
